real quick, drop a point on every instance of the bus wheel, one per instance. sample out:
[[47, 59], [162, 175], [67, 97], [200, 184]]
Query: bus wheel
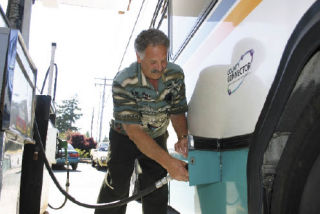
[[296, 188], [310, 197]]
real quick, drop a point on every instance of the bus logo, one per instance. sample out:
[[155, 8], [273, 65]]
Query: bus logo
[[238, 72]]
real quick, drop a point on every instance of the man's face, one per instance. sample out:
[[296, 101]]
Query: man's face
[[154, 61]]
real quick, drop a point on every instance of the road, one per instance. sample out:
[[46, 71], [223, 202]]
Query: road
[[84, 186]]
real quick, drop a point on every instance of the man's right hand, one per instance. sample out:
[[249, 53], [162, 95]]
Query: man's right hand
[[177, 169]]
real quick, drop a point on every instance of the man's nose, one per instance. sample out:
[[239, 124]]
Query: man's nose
[[160, 66]]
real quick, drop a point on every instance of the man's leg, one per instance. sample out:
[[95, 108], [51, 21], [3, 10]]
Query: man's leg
[[157, 201], [116, 184]]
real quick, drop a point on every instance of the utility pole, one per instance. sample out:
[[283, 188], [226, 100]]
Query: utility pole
[[102, 102], [92, 122]]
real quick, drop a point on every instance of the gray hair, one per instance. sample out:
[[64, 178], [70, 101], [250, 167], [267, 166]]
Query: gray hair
[[150, 37]]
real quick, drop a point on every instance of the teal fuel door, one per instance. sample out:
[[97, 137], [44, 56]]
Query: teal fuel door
[[217, 169], [204, 167]]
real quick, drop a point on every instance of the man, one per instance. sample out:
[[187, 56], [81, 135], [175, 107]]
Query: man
[[146, 95]]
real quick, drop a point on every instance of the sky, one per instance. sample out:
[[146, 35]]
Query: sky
[[90, 44]]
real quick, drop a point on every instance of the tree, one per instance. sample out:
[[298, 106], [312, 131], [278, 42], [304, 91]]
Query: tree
[[87, 134], [67, 114], [81, 143]]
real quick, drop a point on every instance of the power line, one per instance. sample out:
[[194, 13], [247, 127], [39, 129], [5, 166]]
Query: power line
[[134, 27]]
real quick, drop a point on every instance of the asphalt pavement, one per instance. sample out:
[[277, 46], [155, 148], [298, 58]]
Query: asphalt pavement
[[84, 186]]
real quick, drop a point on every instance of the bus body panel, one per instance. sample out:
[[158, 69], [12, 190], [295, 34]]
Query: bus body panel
[[263, 33], [230, 65], [229, 193]]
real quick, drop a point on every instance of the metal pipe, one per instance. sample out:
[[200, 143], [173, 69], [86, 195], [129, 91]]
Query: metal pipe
[[53, 50]]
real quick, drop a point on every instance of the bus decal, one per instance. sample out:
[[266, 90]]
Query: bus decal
[[237, 73], [225, 28]]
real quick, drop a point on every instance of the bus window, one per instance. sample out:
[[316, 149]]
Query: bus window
[[184, 18]]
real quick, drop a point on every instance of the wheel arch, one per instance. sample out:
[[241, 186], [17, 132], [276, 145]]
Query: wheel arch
[[276, 113]]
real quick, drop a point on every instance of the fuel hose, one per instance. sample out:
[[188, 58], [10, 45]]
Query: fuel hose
[[117, 203], [67, 189]]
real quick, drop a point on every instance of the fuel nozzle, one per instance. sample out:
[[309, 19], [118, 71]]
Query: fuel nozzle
[[163, 181]]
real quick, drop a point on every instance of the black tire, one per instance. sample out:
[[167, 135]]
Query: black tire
[[294, 186], [93, 163], [99, 167], [310, 197], [301, 46], [74, 166]]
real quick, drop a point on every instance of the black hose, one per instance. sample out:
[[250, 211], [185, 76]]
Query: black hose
[[117, 203], [62, 205], [55, 81], [67, 188], [44, 80]]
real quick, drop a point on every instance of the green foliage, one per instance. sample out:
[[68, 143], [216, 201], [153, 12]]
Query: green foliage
[[87, 134], [67, 113], [64, 135], [83, 153]]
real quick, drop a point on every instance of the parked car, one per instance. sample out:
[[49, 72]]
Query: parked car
[[73, 157], [99, 156]]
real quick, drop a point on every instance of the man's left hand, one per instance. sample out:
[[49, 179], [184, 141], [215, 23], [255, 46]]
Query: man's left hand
[[182, 147]]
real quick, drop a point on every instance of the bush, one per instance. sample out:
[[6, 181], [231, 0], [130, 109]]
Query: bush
[[83, 153], [81, 142]]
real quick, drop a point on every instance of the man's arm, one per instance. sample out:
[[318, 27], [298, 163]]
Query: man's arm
[[175, 167], [179, 123]]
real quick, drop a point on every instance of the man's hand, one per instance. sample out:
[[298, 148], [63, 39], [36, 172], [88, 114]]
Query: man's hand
[[179, 123], [177, 170], [182, 147]]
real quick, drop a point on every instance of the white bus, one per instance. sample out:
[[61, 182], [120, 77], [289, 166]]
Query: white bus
[[252, 72]]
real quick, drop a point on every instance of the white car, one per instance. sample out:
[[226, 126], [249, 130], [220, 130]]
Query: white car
[[99, 156]]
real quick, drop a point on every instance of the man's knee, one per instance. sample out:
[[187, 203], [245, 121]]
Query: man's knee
[[114, 187]]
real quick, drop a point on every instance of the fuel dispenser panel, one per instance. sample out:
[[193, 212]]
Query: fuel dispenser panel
[[17, 82], [18, 86], [10, 172]]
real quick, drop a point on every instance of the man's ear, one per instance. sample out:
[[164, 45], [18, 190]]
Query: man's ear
[[138, 58]]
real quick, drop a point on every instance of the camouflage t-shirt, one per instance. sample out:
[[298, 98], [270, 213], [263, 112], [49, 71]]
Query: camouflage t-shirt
[[135, 101]]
